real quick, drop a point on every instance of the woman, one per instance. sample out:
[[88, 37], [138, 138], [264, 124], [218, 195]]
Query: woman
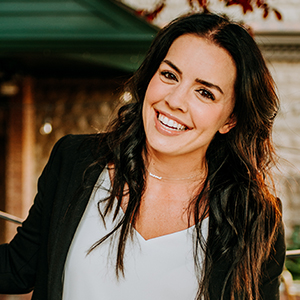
[[173, 201]]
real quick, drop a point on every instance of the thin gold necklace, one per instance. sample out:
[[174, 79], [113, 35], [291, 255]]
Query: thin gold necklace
[[170, 178]]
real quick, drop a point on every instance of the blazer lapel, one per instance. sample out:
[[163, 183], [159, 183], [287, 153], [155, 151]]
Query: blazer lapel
[[73, 206]]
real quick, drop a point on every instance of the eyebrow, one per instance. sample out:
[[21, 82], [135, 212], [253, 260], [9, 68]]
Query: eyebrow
[[172, 66], [206, 83], [210, 85]]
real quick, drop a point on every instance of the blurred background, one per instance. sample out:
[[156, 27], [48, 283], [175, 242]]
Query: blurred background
[[63, 64]]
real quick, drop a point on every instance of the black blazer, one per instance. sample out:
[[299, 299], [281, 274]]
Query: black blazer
[[35, 258]]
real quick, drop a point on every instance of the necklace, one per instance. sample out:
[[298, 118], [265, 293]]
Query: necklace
[[170, 178]]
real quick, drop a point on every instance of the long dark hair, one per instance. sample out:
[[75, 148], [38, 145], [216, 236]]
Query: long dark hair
[[244, 214]]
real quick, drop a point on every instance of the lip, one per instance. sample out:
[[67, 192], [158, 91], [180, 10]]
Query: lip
[[163, 129]]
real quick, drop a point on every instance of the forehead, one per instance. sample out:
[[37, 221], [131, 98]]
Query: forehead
[[201, 57]]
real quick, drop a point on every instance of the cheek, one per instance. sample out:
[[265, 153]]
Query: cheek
[[147, 101], [145, 113], [147, 105], [154, 90], [209, 117]]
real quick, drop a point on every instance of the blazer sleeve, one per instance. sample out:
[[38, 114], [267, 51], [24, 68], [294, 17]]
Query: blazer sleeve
[[270, 275], [272, 269], [19, 258]]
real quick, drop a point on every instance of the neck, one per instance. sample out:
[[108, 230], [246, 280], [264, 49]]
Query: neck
[[175, 168]]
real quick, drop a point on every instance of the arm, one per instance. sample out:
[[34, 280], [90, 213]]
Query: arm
[[272, 269], [271, 273], [19, 259]]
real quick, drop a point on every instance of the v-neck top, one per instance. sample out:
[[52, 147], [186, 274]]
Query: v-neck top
[[160, 268]]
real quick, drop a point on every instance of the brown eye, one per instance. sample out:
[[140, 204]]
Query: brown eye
[[169, 75], [206, 94]]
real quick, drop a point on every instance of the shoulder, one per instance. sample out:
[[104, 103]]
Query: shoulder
[[73, 142], [273, 267], [279, 249], [71, 152], [274, 264], [72, 146]]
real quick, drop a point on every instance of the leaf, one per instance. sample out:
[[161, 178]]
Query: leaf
[[202, 3], [259, 3], [266, 12], [277, 14], [246, 4], [140, 12], [151, 15]]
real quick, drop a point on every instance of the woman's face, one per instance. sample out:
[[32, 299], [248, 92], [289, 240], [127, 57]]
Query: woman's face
[[189, 98]]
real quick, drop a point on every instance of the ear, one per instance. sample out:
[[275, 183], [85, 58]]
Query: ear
[[230, 123]]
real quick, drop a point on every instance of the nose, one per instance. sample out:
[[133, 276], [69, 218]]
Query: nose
[[177, 98]]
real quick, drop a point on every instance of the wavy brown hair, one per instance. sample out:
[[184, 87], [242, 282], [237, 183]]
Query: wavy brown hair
[[244, 214]]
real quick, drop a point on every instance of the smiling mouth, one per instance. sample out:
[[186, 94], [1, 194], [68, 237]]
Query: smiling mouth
[[170, 124]]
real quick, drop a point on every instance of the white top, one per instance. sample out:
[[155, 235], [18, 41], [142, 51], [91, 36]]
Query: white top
[[161, 268]]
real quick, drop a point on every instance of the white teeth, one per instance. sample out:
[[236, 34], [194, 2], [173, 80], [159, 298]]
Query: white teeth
[[170, 123]]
